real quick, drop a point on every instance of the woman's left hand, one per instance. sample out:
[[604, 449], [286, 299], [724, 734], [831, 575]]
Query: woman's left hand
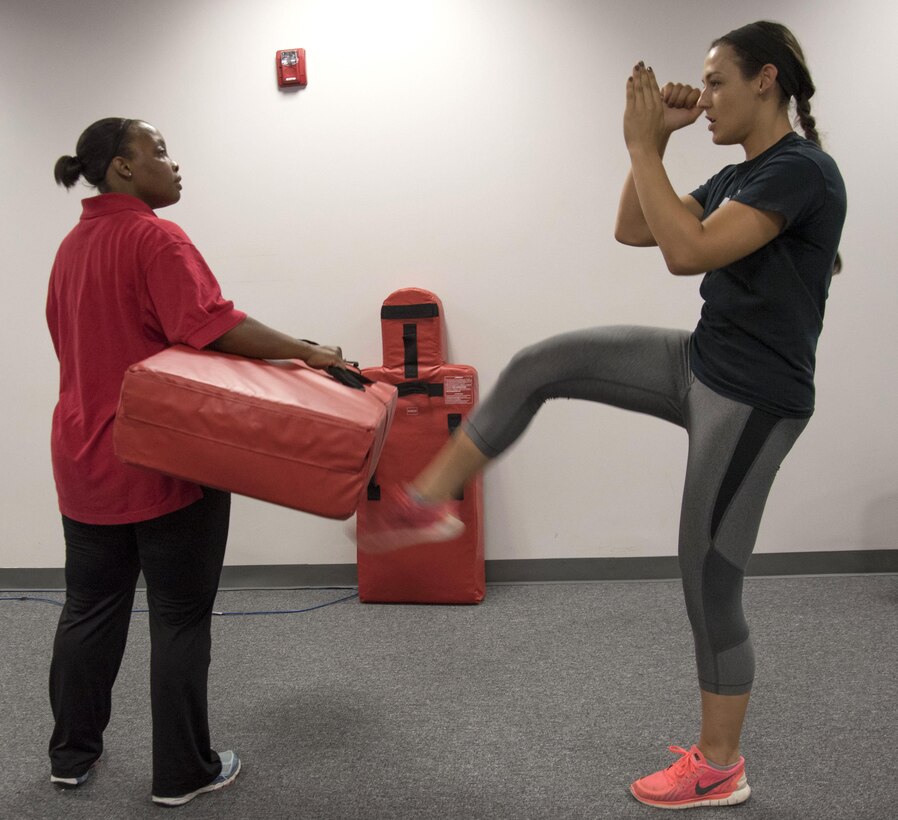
[[644, 121]]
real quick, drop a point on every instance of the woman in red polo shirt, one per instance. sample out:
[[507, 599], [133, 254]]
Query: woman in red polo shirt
[[125, 285]]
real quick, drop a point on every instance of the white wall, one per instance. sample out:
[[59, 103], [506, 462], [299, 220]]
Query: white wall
[[472, 147]]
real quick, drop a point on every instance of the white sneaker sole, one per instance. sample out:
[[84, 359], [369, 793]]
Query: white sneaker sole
[[742, 793], [74, 782], [186, 798]]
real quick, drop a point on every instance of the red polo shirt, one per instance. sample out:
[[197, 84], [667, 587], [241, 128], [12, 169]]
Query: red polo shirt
[[125, 285]]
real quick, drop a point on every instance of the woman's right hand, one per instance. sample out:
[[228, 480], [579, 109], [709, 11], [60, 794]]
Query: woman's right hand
[[680, 105], [323, 356]]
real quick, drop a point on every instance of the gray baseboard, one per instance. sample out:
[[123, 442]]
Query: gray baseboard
[[540, 570], [543, 570]]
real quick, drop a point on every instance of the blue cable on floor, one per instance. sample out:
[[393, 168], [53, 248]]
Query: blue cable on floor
[[30, 598], [214, 612], [288, 611]]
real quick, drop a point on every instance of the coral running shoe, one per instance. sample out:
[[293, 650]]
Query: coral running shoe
[[399, 520], [691, 782]]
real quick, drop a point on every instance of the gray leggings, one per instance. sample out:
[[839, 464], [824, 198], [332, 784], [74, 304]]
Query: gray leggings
[[734, 453]]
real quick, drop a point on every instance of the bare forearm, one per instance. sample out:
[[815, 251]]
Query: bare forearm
[[631, 227], [257, 341], [671, 224]]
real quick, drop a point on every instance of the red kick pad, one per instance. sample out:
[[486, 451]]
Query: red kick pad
[[278, 431], [434, 398]]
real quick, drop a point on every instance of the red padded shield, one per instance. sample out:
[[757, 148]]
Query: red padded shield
[[434, 398], [278, 431]]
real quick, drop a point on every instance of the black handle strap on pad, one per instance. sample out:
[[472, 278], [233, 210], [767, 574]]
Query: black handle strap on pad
[[350, 378], [425, 310], [432, 389], [410, 346]]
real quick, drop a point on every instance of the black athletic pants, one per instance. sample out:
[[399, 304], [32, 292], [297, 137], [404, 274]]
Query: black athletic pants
[[181, 555]]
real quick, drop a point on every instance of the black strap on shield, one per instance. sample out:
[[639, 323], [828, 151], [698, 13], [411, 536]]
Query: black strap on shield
[[410, 345]]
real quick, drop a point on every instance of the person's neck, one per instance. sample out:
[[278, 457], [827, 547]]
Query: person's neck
[[764, 136]]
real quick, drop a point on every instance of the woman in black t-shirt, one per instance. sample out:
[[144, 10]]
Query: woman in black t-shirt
[[765, 234]]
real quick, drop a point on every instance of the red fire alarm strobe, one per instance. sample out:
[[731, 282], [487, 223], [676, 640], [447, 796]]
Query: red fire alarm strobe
[[291, 66]]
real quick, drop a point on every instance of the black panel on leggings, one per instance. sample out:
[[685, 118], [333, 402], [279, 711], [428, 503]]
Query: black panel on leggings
[[721, 585], [757, 428]]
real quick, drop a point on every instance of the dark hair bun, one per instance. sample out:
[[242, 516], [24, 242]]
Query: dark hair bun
[[67, 171]]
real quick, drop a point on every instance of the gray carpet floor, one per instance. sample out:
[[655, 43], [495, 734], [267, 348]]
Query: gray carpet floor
[[543, 702]]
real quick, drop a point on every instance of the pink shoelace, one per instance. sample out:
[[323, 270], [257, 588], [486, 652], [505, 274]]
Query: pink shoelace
[[685, 766]]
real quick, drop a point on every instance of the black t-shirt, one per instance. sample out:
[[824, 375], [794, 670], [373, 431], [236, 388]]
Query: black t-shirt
[[756, 340]]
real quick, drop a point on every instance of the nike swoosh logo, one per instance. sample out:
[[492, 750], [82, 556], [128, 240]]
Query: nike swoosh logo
[[705, 789]]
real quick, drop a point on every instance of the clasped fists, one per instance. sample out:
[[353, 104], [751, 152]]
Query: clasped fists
[[680, 105], [652, 114]]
